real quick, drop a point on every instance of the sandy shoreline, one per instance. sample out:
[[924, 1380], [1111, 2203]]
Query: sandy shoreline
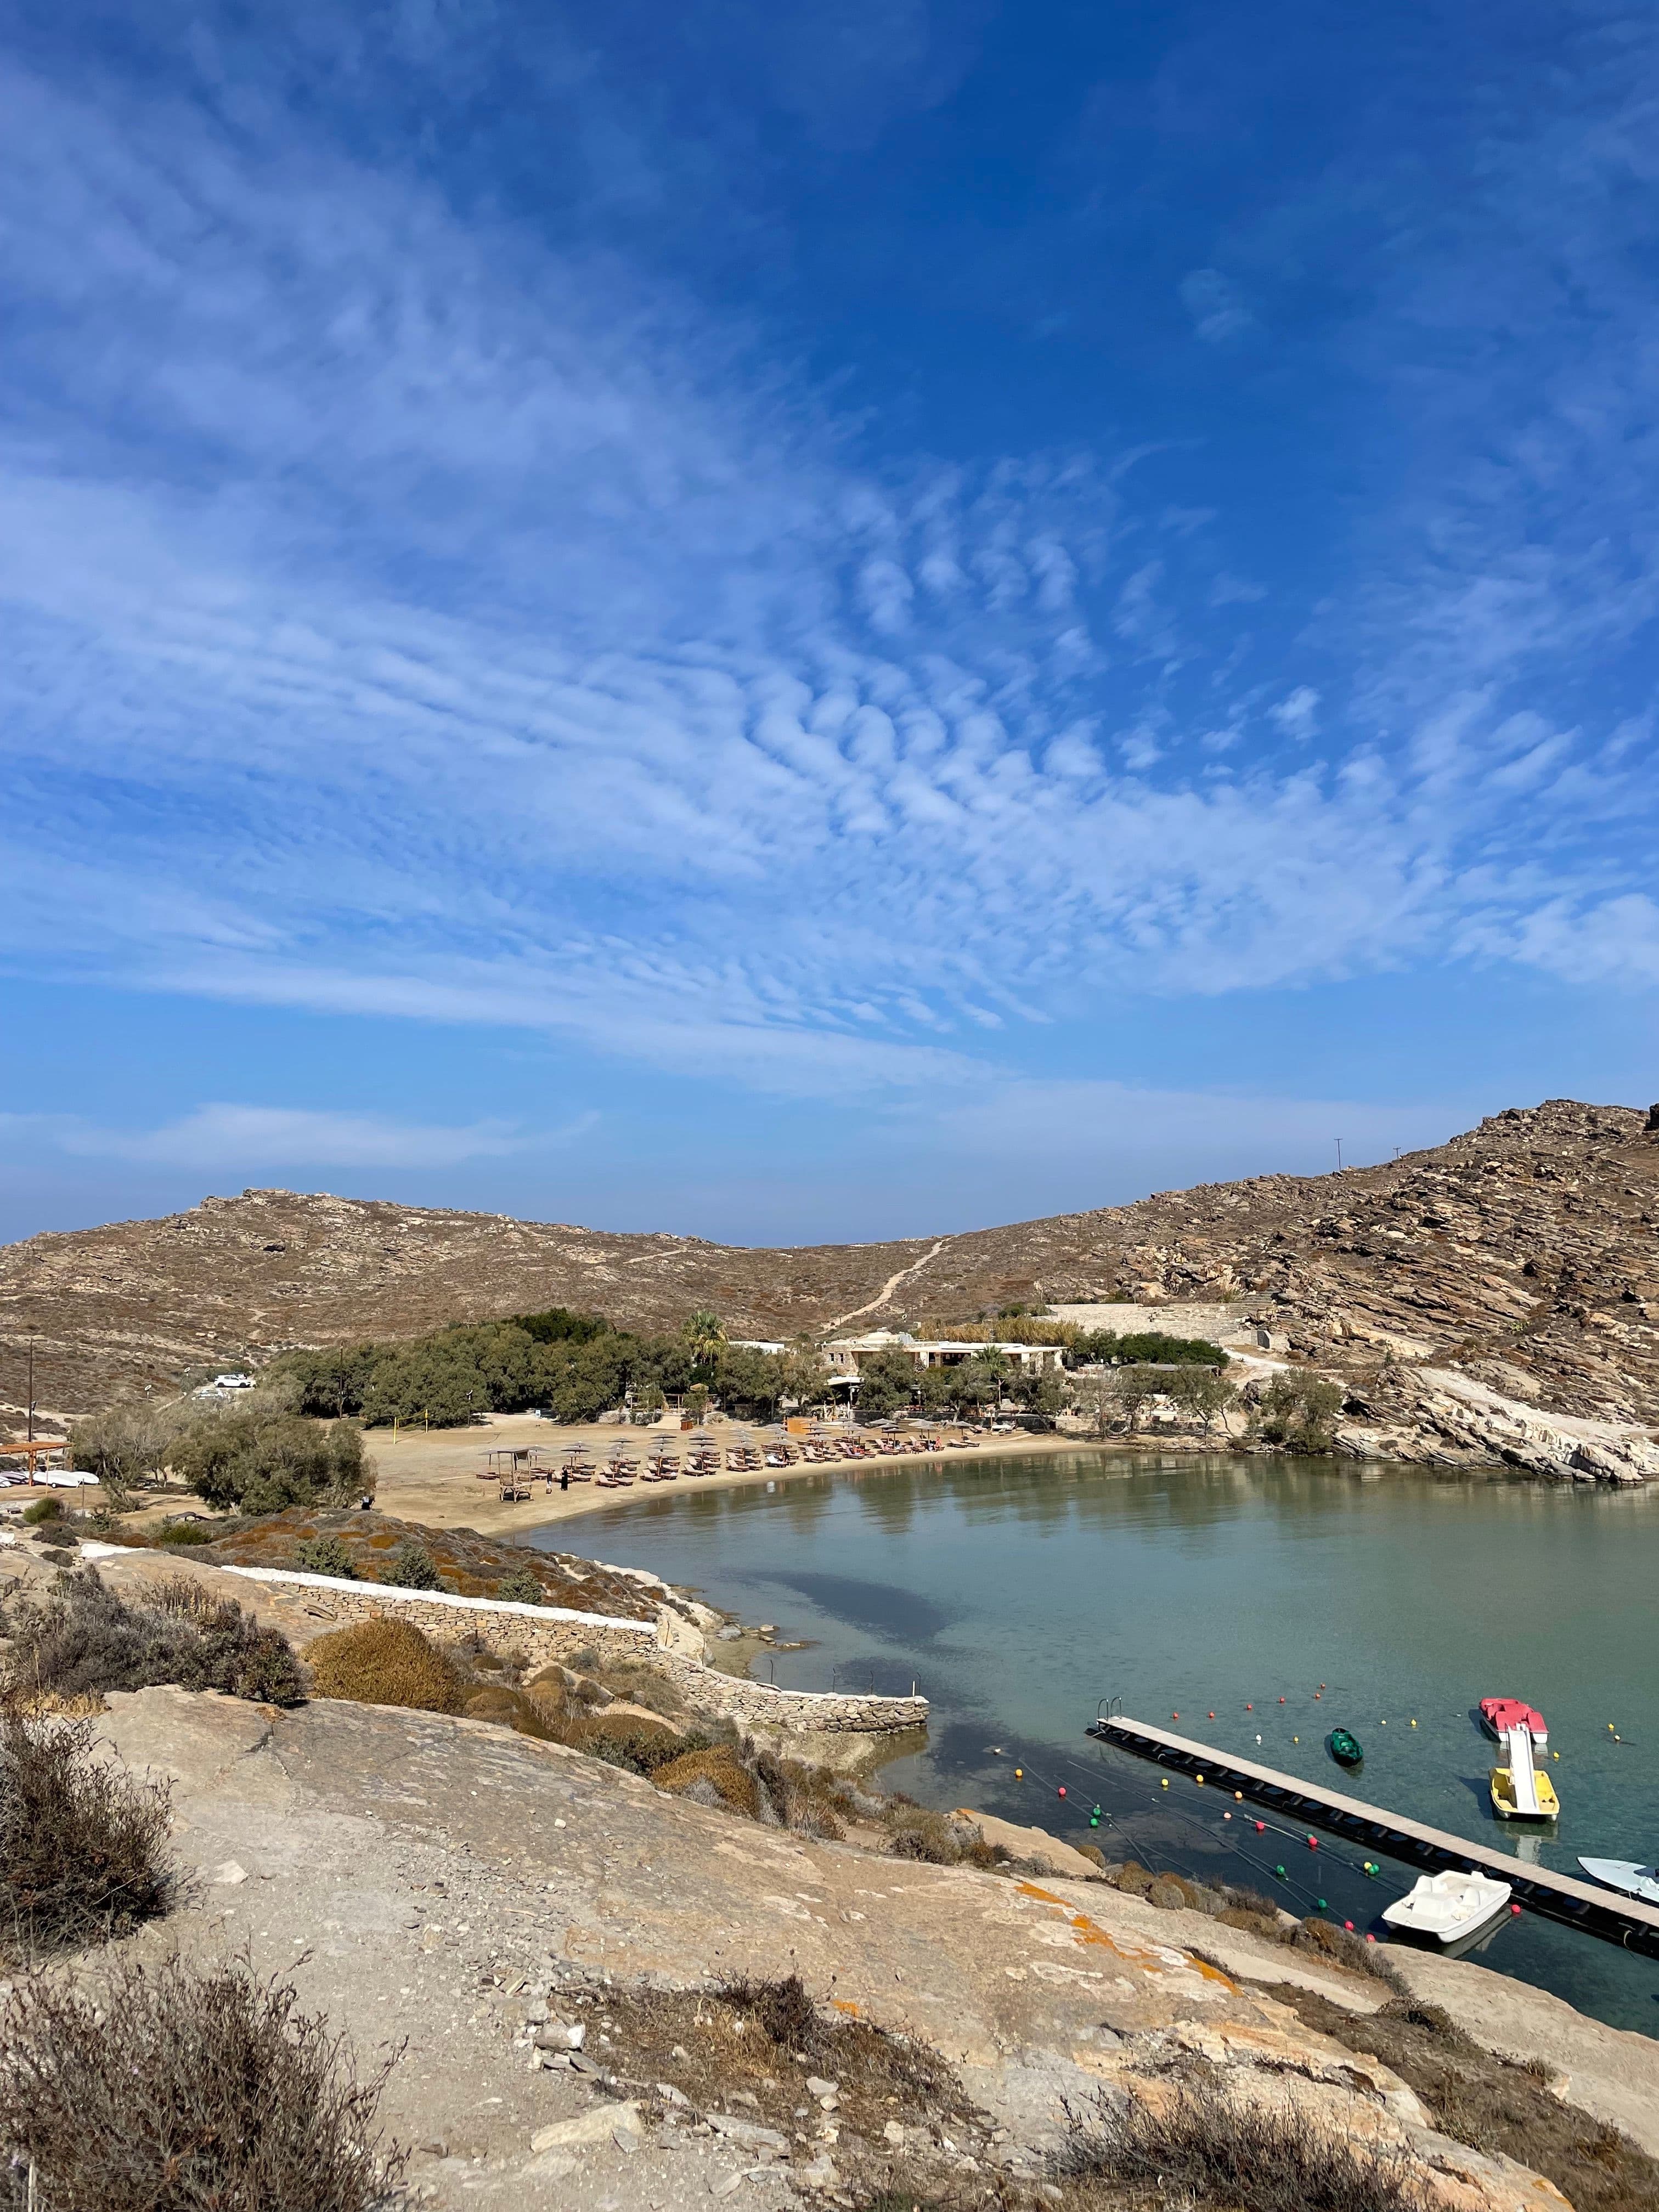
[[432, 1479]]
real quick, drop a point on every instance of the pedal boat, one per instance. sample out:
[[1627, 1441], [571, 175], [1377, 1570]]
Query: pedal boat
[[1502, 1784], [1448, 1906], [1500, 1715]]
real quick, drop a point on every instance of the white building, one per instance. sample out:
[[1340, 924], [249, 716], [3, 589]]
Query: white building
[[844, 1353]]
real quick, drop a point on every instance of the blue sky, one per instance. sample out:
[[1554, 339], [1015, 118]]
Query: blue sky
[[787, 622]]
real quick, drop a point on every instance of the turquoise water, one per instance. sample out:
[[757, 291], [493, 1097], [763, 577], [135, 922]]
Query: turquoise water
[[1018, 1593]]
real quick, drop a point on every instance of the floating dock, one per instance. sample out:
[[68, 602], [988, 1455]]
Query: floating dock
[[1604, 1912]]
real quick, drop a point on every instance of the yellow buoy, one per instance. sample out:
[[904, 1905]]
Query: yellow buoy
[[1164, 1783], [1199, 1778]]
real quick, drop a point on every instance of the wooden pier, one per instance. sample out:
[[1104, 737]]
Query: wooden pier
[[1604, 1912]]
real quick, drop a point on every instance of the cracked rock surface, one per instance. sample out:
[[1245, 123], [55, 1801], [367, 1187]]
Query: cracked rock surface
[[405, 1869]]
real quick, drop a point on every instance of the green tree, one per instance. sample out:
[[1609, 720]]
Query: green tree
[[705, 1337], [1040, 1390], [127, 1447], [749, 1383], [1134, 1389], [806, 1376], [241, 1460], [887, 1381], [1202, 1394], [647, 1401], [1299, 1412], [1095, 1397]]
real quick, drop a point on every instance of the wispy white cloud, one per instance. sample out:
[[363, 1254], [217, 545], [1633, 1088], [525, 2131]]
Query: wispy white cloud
[[1216, 305], [407, 616], [216, 1137]]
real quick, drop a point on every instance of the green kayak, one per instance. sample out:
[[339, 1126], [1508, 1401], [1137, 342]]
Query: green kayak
[[1344, 1748]]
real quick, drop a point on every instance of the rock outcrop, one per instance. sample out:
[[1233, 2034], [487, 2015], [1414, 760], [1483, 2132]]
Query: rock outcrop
[[450, 1894]]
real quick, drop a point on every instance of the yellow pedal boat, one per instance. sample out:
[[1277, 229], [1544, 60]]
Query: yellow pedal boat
[[1504, 1798]]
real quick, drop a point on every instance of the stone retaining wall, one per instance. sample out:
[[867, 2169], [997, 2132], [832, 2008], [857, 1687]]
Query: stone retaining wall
[[541, 1633], [544, 1634]]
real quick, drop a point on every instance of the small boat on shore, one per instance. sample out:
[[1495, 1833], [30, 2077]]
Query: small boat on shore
[[1448, 1906], [1344, 1747], [1635, 1881], [1500, 1715]]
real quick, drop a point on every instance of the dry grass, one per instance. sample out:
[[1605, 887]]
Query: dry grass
[[1198, 2150], [747, 2049], [385, 1662], [182, 2090], [1492, 2104], [82, 1846]]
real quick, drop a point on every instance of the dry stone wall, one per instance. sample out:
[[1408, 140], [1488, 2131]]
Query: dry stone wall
[[544, 1634]]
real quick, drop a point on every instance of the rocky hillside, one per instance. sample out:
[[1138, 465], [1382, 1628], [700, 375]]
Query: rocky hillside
[[1531, 1243]]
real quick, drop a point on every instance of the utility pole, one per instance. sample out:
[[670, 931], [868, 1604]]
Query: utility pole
[[1339, 1155], [32, 1334]]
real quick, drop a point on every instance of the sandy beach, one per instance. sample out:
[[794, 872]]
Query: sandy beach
[[433, 1477]]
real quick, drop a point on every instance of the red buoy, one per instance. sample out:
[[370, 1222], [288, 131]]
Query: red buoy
[[1348, 1924], [1313, 1843], [1261, 1827], [1062, 1790]]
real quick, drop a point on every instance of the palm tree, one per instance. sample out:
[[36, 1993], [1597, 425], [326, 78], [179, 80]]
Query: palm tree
[[705, 1337]]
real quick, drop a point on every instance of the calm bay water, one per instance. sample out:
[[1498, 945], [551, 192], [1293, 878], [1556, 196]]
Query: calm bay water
[[1019, 1592]]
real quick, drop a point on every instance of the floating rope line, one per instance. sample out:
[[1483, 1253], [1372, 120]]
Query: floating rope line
[[1260, 1819]]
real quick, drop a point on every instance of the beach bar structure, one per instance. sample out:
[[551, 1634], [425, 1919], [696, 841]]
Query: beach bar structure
[[1622, 1920]]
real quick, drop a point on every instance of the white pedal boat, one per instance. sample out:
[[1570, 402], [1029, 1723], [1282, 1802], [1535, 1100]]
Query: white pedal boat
[[1635, 1881], [1448, 1906]]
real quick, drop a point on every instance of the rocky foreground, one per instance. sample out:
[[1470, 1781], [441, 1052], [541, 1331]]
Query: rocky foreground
[[1524, 1254], [535, 1942], [466, 1899]]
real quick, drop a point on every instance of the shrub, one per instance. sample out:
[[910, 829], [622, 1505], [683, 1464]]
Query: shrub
[[385, 1662], [411, 1566], [44, 1508], [716, 1776], [185, 2089], [84, 1640], [184, 1532], [783, 2011], [82, 1844], [521, 1586], [630, 1741], [1198, 2146], [262, 1462], [326, 1555]]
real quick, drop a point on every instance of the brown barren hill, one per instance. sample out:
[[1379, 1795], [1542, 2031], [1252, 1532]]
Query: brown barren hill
[[1531, 1242]]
